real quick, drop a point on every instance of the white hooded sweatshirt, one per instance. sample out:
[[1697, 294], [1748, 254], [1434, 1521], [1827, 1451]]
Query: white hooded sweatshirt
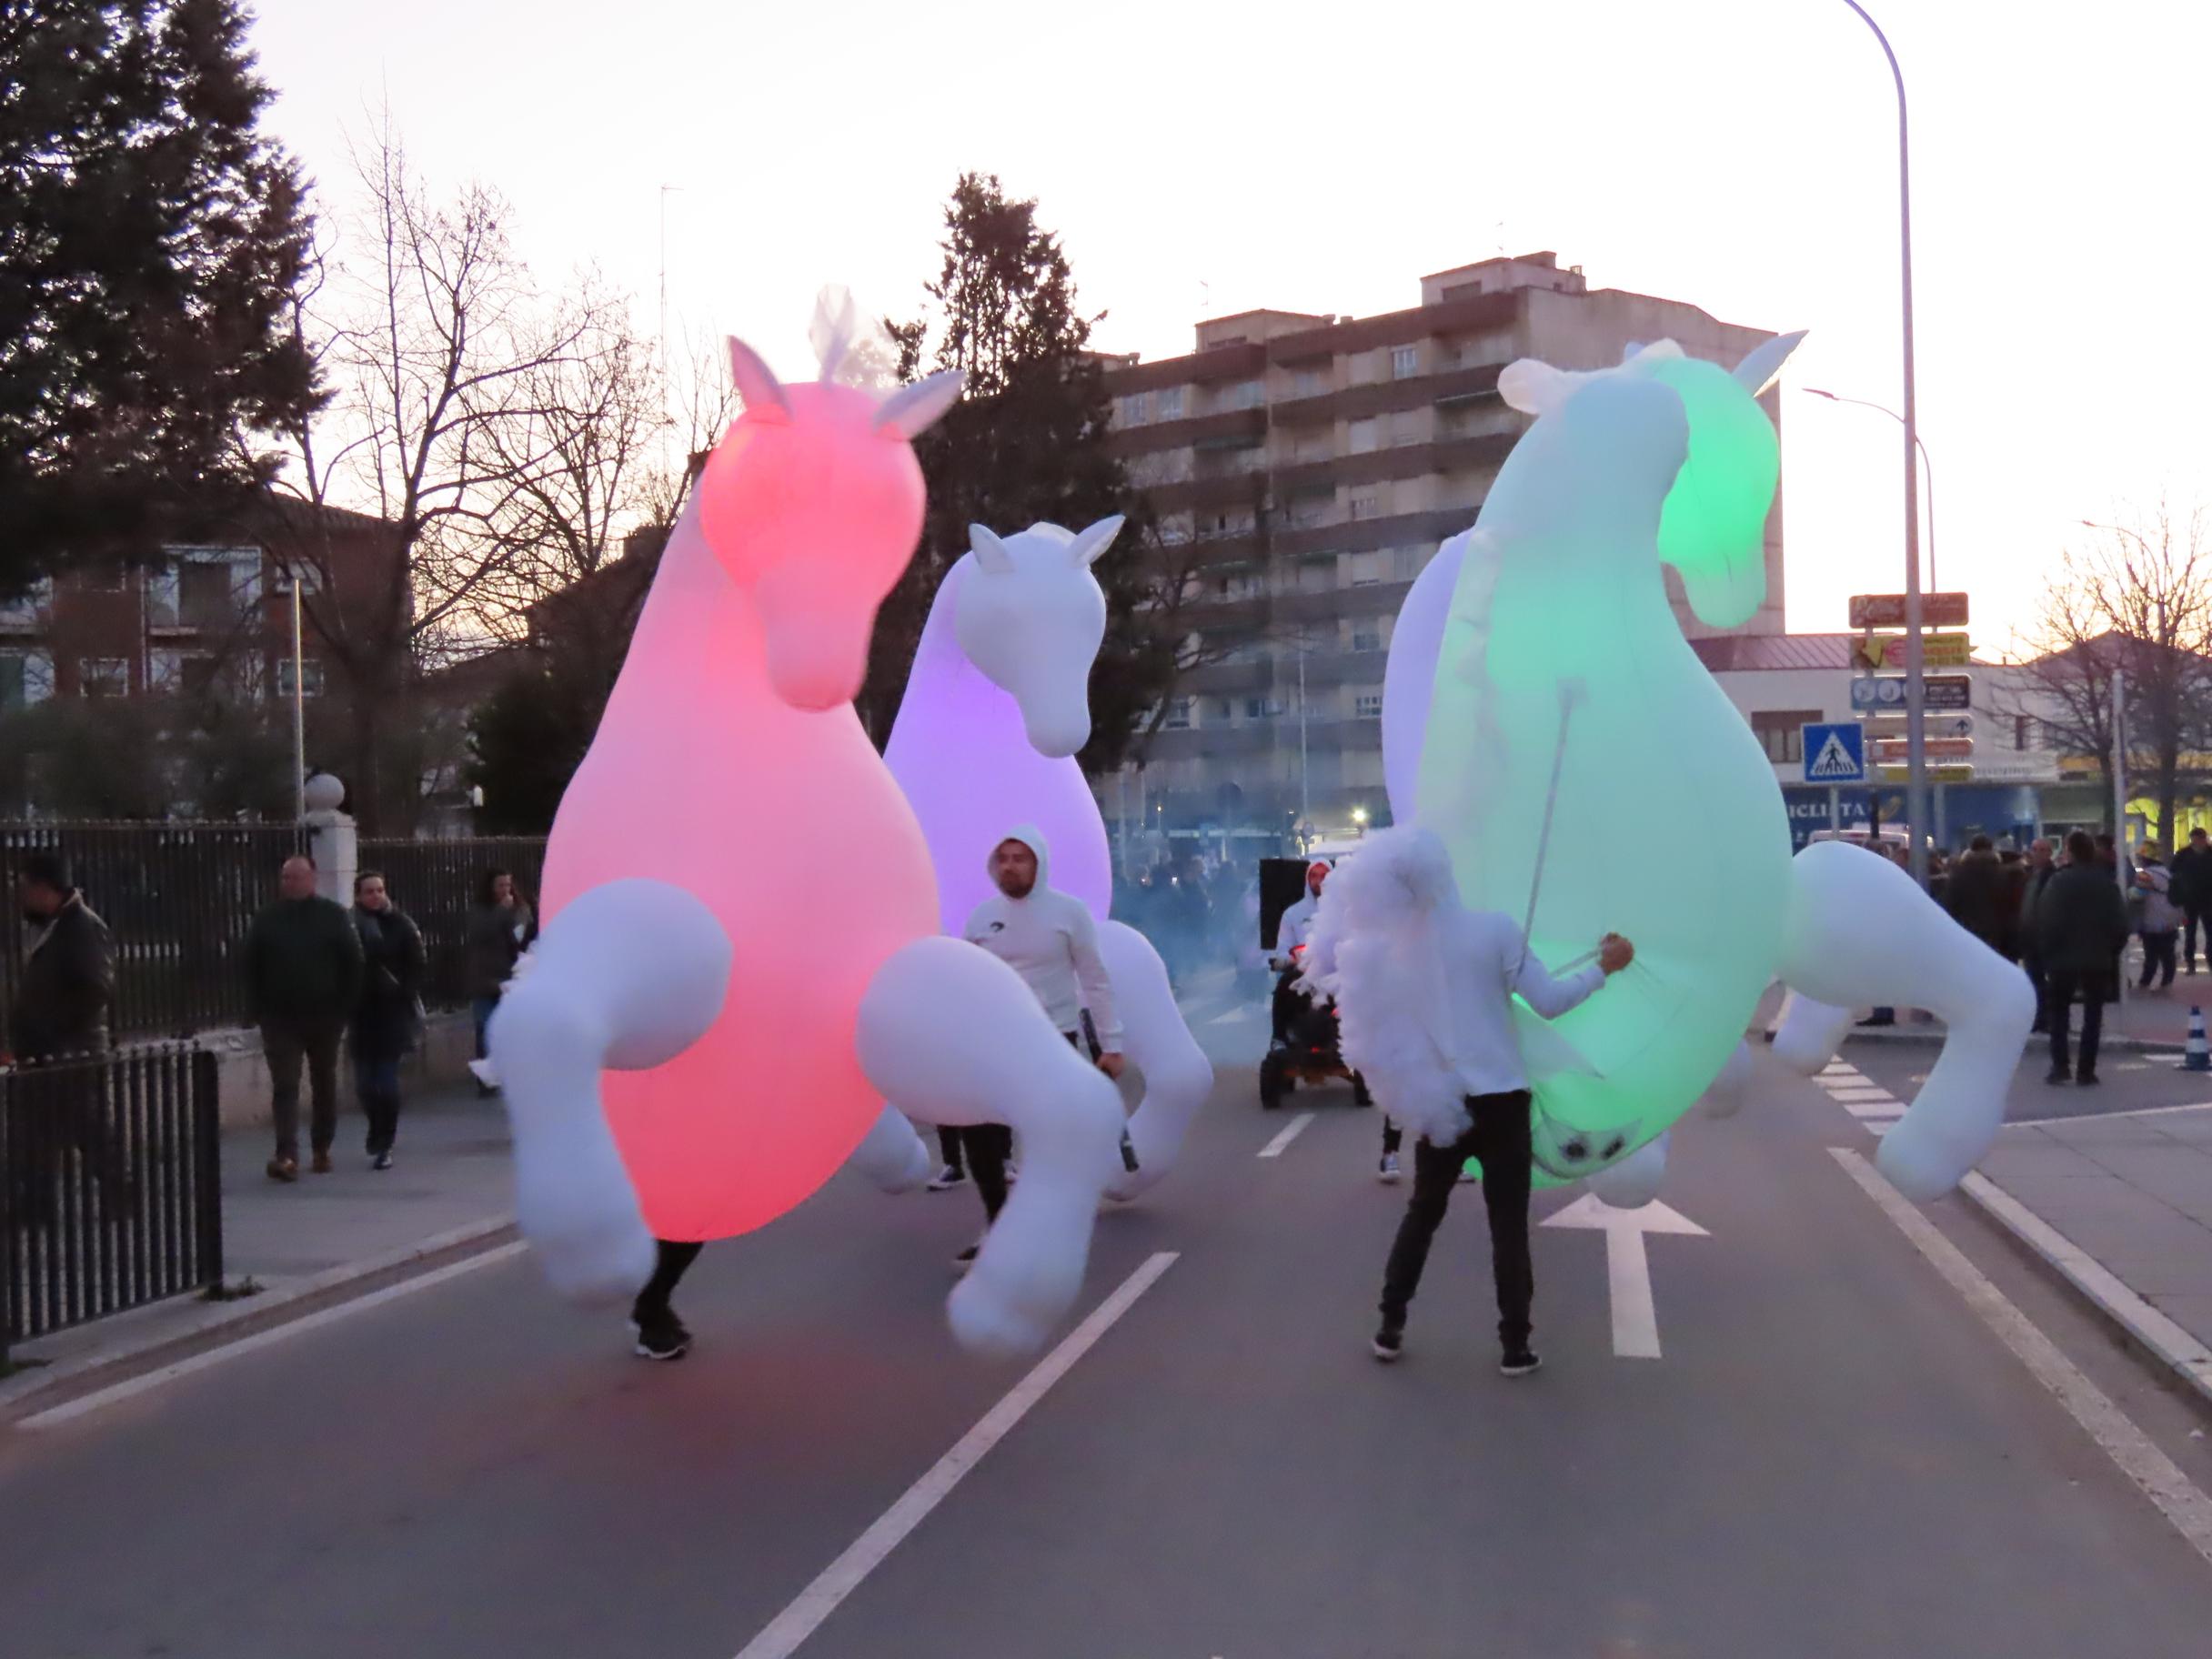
[[1051, 940]]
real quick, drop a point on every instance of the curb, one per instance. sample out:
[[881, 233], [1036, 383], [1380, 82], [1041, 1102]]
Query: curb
[[1934, 1036], [2141, 1324], [40, 1386]]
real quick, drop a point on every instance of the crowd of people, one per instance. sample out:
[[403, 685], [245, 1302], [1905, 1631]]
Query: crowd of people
[[2065, 913], [320, 977]]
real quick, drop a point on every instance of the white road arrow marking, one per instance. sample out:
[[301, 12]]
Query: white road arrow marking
[[1635, 1322]]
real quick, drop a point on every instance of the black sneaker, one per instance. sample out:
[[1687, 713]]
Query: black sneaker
[[2087, 1079], [2056, 1074], [1128, 1153], [966, 1259], [380, 1160], [947, 1178], [1390, 1343], [1519, 1362], [663, 1339]]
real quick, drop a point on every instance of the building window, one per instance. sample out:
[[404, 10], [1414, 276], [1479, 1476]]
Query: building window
[[1369, 704], [1308, 383], [1179, 714], [1367, 504], [2023, 728], [1171, 403], [1242, 395], [104, 676], [1405, 428], [1363, 435], [1404, 362], [1367, 639], [1261, 709], [311, 684], [1405, 563], [1135, 409], [26, 678], [1781, 733]]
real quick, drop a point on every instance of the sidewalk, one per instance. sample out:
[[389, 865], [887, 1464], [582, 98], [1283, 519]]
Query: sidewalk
[[322, 1239], [2144, 1020], [2120, 1206]]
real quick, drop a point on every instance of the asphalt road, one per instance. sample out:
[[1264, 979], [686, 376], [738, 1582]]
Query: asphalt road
[[1833, 1457]]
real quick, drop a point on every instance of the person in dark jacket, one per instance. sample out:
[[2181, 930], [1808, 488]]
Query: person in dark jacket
[[388, 1021], [69, 968], [501, 928], [302, 975], [2192, 892], [1976, 894], [2080, 926], [2040, 868]]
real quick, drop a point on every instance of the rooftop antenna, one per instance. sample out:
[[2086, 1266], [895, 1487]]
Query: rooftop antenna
[[664, 273], [1205, 298]]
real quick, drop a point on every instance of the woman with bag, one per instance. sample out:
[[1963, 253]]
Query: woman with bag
[[388, 1022]]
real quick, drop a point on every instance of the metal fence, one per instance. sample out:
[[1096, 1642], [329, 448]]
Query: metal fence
[[178, 898], [437, 883], [110, 1188]]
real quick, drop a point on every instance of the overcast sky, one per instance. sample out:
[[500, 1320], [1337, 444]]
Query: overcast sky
[[1736, 154]]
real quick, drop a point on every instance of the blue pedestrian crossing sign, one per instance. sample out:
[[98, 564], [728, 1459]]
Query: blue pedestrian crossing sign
[[1835, 754]]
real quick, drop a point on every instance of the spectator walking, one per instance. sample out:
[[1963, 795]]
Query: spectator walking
[[2159, 921], [1975, 894], [2080, 926], [302, 970], [388, 1021], [2040, 868], [69, 967], [501, 928], [61, 1010], [2192, 891]]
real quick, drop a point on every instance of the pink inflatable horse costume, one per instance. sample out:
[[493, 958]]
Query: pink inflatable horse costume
[[743, 922]]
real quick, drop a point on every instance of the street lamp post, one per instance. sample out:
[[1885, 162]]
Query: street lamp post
[[299, 707], [1926, 466], [1916, 686]]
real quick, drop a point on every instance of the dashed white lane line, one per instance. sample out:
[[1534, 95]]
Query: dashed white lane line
[[2159, 1478], [1289, 1133], [842, 1577]]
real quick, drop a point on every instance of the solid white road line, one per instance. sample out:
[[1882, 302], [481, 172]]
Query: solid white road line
[[1273, 1149], [842, 1577], [2162, 1481], [115, 1393]]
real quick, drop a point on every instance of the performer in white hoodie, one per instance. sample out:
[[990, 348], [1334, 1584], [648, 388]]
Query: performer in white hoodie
[[1425, 987], [1049, 938]]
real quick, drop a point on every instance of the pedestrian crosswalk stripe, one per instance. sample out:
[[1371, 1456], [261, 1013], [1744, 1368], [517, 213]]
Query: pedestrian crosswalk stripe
[[1874, 1111]]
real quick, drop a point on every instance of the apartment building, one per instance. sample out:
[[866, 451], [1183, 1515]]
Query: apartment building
[[186, 620], [1310, 466]]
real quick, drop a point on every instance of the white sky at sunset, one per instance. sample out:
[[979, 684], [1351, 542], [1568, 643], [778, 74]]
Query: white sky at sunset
[[1737, 154]]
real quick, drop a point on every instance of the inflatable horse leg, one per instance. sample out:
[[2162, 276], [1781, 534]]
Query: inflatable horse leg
[[1636, 1180], [627, 977], [1808, 1033], [1177, 1076], [953, 1032], [892, 1155], [1861, 932]]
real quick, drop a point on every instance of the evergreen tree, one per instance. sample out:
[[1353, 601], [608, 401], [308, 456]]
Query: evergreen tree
[[149, 238], [1027, 442]]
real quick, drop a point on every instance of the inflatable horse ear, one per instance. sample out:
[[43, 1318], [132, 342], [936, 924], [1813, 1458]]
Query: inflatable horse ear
[[764, 396], [1756, 372], [1088, 545]]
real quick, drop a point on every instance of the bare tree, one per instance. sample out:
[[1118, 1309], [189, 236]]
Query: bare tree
[[400, 508], [2137, 601]]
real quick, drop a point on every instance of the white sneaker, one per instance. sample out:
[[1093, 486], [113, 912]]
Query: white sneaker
[[947, 1177], [1389, 1173], [1013, 1171]]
